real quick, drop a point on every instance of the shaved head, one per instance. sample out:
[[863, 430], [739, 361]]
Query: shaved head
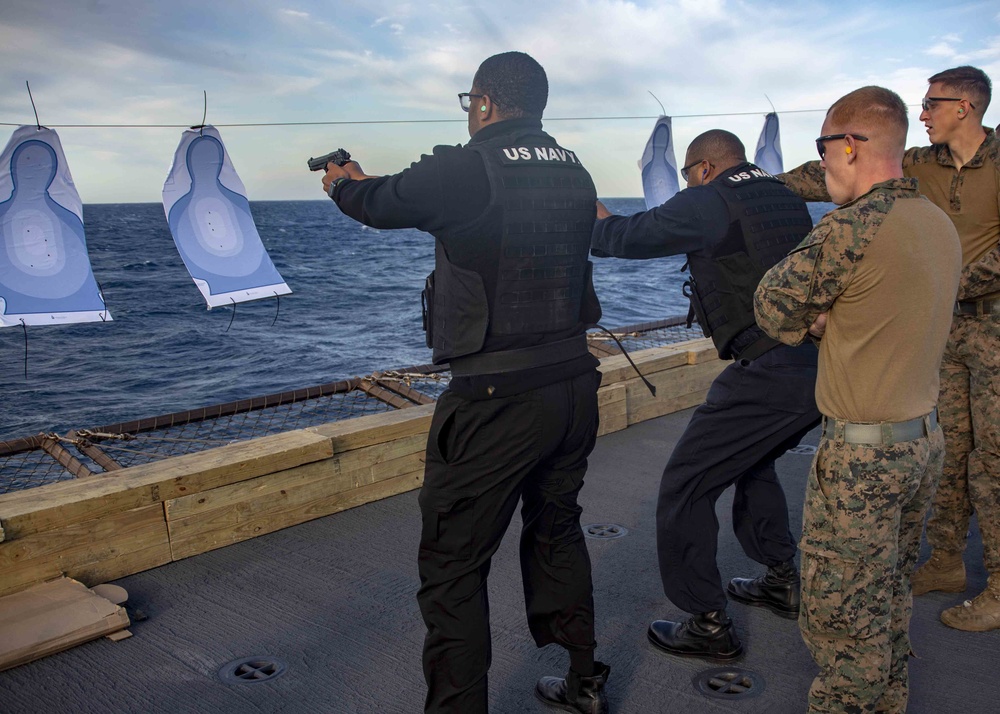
[[718, 147], [875, 112]]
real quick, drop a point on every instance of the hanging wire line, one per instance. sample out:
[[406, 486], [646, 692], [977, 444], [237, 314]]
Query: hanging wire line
[[409, 121], [33, 108], [664, 111], [204, 114]]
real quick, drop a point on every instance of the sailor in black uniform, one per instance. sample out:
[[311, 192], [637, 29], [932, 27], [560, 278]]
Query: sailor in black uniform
[[506, 306], [734, 221]]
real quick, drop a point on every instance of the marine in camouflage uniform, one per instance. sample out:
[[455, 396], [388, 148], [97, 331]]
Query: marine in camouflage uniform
[[969, 193], [881, 269]]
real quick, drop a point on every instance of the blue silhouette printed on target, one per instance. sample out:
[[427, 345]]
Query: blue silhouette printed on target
[[45, 273], [768, 154], [209, 217], [659, 167]]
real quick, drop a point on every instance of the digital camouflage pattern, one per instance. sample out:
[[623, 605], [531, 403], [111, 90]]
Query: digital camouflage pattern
[[969, 411], [862, 519], [969, 406]]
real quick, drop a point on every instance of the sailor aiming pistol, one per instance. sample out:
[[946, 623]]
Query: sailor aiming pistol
[[339, 157]]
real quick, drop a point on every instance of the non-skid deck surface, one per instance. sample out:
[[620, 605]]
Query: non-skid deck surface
[[334, 600]]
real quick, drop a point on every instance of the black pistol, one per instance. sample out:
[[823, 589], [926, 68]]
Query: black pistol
[[339, 157]]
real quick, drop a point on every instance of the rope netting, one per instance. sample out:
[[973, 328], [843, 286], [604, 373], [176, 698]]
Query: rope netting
[[80, 453]]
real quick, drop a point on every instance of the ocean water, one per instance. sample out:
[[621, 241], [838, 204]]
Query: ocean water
[[355, 308]]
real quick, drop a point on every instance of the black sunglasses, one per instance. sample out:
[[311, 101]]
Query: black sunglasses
[[926, 105], [821, 142]]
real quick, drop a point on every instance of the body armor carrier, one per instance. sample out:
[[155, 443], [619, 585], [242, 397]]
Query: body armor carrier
[[766, 221], [532, 275]]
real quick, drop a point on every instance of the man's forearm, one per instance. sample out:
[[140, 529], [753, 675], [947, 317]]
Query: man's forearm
[[981, 278], [807, 181]]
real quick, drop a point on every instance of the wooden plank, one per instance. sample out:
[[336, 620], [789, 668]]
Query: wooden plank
[[672, 388], [610, 394], [617, 369], [109, 546], [51, 617], [38, 509], [334, 480], [705, 352], [613, 406], [215, 531], [667, 406], [614, 418], [376, 428]]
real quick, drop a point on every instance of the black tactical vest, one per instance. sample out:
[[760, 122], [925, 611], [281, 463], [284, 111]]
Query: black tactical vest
[[766, 221], [532, 276]]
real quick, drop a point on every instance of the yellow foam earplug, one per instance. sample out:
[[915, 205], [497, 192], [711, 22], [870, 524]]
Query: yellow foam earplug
[[847, 150]]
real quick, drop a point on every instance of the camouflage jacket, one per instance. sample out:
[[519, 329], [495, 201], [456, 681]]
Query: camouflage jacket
[[980, 277]]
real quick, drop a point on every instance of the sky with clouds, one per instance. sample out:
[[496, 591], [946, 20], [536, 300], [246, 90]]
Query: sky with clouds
[[271, 61]]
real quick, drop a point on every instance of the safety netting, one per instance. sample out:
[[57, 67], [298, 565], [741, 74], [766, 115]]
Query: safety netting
[[45, 458]]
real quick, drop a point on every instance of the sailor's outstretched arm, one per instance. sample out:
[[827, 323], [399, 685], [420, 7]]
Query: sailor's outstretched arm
[[691, 220]]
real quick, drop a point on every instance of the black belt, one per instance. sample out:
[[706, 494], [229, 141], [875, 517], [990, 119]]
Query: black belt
[[516, 360], [977, 307], [751, 343]]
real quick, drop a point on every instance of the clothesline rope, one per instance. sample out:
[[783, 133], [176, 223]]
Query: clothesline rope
[[410, 121]]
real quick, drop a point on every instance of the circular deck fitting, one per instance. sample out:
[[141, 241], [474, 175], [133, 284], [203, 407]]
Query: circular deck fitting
[[605, 531], [806, 449], [728, 683], [252, 669]]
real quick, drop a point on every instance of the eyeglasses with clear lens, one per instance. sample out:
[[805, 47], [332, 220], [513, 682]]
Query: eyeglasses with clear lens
[[927, 103], [821, 142], [465, 100], [686, 169]]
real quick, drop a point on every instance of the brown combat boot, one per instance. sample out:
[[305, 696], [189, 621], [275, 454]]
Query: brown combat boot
[[944, 572], [978, 615]]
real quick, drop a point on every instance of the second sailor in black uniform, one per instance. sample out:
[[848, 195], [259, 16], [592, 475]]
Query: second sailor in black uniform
[[734, 221]]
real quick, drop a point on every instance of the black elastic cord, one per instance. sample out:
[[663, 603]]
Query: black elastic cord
[[37, 123], [25, 328], [277, 300], [233, 317], [100, 292], [649, 386]]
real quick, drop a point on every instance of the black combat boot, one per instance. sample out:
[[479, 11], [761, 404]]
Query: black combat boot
[[575, 693], [777, 590], [710, 635]]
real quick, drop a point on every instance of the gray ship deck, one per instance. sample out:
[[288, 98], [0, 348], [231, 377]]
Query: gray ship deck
[[334, 599]]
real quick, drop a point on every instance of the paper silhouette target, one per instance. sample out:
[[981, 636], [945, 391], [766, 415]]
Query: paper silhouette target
[[209, 217], [45, 273]]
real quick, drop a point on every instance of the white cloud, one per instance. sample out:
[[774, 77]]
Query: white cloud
[[941, 49], [136, 62]]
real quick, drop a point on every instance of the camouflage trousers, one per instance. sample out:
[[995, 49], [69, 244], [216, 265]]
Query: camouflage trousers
[[863, 513], [969, 410]]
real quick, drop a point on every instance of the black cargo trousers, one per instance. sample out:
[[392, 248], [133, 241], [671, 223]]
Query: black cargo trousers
[[483, 457], [754, 412]]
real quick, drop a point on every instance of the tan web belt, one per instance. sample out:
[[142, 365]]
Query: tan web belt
[[978, 307], [881, 433]]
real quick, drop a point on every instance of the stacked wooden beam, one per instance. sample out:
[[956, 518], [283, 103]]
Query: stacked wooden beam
[[104, 527]]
